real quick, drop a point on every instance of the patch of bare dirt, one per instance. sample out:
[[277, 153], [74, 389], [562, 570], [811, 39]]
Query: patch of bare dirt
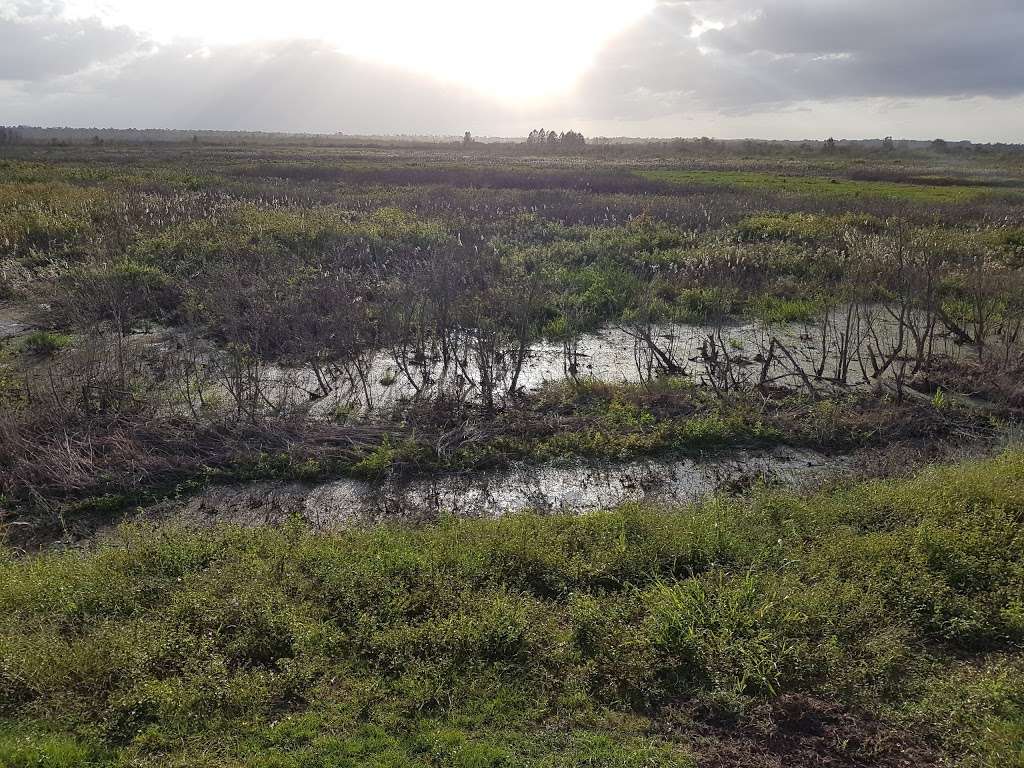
[[799, 731]]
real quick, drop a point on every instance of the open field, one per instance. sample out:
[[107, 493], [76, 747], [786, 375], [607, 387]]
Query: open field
[[935, 189], [189, 330]]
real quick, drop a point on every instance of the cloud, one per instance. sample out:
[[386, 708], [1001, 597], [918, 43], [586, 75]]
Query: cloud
[[36, 43], [788, 51], [79, 72], [295, 86], [687, 67]]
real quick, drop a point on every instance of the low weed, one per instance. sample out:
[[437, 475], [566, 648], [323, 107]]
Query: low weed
[[45, 343], [528, 640]]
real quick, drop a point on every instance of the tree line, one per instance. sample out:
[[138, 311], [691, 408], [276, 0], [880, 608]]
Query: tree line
[[568, 140]]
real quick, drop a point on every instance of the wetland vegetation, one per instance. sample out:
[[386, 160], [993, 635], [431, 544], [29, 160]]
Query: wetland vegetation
[[176, 319]]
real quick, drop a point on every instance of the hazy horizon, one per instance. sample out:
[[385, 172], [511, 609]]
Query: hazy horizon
[[443, 138]]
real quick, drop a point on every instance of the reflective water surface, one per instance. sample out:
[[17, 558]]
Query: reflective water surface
[[574, 488]]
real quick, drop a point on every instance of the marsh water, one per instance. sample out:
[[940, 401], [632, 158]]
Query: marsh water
[[606, 355], [571, 488], [12, 322], [609, 355]]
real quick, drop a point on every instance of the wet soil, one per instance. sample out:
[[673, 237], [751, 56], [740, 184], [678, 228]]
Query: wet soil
[[798, 731]]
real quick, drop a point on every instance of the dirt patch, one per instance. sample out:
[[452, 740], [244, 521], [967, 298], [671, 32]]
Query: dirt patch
[[797, 730]]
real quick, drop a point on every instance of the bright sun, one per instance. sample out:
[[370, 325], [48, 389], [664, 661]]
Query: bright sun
[[519, 51]]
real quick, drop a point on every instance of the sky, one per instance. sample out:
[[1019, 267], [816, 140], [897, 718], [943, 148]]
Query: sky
[[773, 69]]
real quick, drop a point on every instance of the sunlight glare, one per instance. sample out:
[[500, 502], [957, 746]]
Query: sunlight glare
[[519, 52]]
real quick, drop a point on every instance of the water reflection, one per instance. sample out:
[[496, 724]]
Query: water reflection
[[575, 488], [823, 349]]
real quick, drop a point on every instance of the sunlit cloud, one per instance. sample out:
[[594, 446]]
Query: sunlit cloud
[[524, 51]]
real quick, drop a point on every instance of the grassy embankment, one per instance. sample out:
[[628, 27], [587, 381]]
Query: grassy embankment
[[867, 625]]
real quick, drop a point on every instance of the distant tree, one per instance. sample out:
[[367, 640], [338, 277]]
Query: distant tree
[[570, 141], [888, 144], [573, 141], [708, 144], [9, 135], [830, 144], [940, 145], [467, 139]]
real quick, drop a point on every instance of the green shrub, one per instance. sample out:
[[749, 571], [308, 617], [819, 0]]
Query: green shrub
[[738, 636], [55, 219], [29, 748], [45, 342], [779, 311], [124, 292], [701, 305], [382, 460], [805, 228]]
